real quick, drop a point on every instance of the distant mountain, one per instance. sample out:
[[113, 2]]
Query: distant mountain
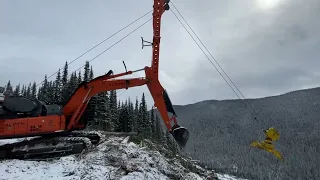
[[221, 133]]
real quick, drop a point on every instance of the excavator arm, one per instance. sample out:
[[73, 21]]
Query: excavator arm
[[76, 105], [79, 100]]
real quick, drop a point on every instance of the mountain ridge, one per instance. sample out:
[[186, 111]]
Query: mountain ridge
[[264, 97], [221, 132]]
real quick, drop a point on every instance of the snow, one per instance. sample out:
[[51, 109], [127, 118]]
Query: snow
[[116, 158]]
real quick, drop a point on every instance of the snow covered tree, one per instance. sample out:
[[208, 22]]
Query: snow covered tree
[[50, 93], [91, 74], [123, 117], [23, 91], [64, 91], [145, 125], [135, 122], [113, 109], [158, 129], [43, 90], [101, 111], [8, 89], [86, 71], [130, 115], [57, 88], [16, 91], [79, 77], [34, 89], [152, 124], [28, 91], [92, 105]]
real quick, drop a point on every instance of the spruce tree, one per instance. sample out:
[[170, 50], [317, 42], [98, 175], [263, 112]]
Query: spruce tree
[[86, 71], [72, 83], [136, 116], [145, 120], [16, 91], [152, 124], [158, 129], [91, 74], [130, 115], [43, 90], [125, 117], [113, 109], [79, 77], [57, 88], [34, 89], [8, 89], [117, 115], [121, 118], [64, 81], [28, 91], [50, 93], [109, 125], [23, 91], [92, 105]]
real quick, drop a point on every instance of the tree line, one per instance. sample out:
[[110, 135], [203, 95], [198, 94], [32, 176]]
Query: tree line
[[104, 111]]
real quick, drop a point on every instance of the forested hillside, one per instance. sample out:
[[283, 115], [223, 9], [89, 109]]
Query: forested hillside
[[221, 133], [104, 112]]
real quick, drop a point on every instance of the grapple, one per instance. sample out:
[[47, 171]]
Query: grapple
[[180, 134]]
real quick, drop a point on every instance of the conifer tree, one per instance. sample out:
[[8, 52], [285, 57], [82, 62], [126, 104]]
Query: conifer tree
[[28, 91], [8, 89], [91, 74], [79, 77], [136, 117], [158, 129], [86, 71], [43, 90], [72, 83], [16, 91], [152, 123], [23, 90], [101, 111], [130, 115], [92, 105], [109, 125], [113, 109], [57, 88], [145, 121], [50, 93], [34, 89], [64, 81]]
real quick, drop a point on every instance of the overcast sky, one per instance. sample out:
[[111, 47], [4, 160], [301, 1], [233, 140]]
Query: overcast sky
[[267, 47]]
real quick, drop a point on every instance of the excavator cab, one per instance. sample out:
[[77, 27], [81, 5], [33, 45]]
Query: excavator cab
[[179, 133]]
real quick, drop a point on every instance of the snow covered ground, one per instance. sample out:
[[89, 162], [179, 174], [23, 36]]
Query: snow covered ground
[[116, 158]]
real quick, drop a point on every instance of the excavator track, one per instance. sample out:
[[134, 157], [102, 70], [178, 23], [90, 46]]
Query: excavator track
[[51, 146]]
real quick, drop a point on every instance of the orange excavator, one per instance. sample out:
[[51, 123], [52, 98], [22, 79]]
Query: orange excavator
[[56, 130]]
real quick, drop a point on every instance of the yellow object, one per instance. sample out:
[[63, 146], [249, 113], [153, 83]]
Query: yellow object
[[271, 135]]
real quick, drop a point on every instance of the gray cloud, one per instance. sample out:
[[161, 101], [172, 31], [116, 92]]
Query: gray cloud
[[264, 51]]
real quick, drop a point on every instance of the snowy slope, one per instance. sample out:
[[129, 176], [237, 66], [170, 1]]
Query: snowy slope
[[117, 158]]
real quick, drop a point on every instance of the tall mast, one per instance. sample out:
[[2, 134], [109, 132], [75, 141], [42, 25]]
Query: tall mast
[[159, 7]]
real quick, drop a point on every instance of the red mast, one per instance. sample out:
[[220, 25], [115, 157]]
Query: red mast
[[159, 7]]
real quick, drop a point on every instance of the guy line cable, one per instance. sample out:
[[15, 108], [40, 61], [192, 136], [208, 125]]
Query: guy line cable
[[102, 43], [245, 100]]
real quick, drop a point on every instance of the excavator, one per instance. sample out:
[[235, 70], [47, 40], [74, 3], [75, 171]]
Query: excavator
[[52, 130]]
